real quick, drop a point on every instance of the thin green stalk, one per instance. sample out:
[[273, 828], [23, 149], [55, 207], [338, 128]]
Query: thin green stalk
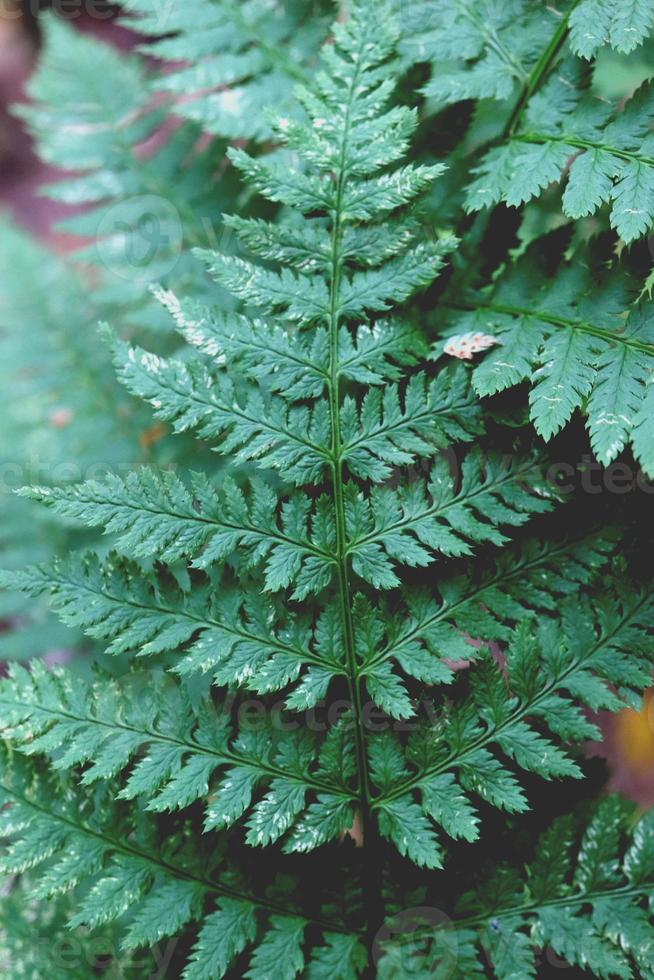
[[580, 144], [565, 901], [474, 230], [538, 73], [371, 884], [336, 466]]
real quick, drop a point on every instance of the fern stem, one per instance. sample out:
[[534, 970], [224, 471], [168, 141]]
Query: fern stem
[[371, 885], [582, 144], [538, 73], [563, 902], [339, 502], [473, 230]]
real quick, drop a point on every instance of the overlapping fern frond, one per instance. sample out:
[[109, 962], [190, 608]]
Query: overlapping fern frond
[[572, 340], [605, 152], [559, 908], [475, 50], [238, 59], [141, 177]]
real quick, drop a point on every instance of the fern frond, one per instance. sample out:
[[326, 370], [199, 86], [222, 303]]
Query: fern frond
[[567, 899], [154, 893], [240, 58], [524, 582], [396, 428], [319, 563], [288, 363], [156, 515], [159, 517], [612, 154], [247, 640], [546, 679], [624, 26], [231, 632], [412, 525], [475, 50], [170, 755], [253, 427], [90, 114], [578, 352]]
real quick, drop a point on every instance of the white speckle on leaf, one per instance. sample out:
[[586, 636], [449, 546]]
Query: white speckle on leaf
[[150, 362]]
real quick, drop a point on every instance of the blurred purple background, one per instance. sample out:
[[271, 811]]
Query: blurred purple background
[[21, 172]]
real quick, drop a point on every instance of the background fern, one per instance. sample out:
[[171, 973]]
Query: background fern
[[338, 616]]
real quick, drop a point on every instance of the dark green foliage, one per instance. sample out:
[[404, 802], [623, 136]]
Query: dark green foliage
[[338, 638]]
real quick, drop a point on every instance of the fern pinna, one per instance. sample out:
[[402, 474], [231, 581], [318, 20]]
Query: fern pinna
[[296, 631]]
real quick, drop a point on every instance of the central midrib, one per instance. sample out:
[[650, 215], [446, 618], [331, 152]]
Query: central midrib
[[336, 461]]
